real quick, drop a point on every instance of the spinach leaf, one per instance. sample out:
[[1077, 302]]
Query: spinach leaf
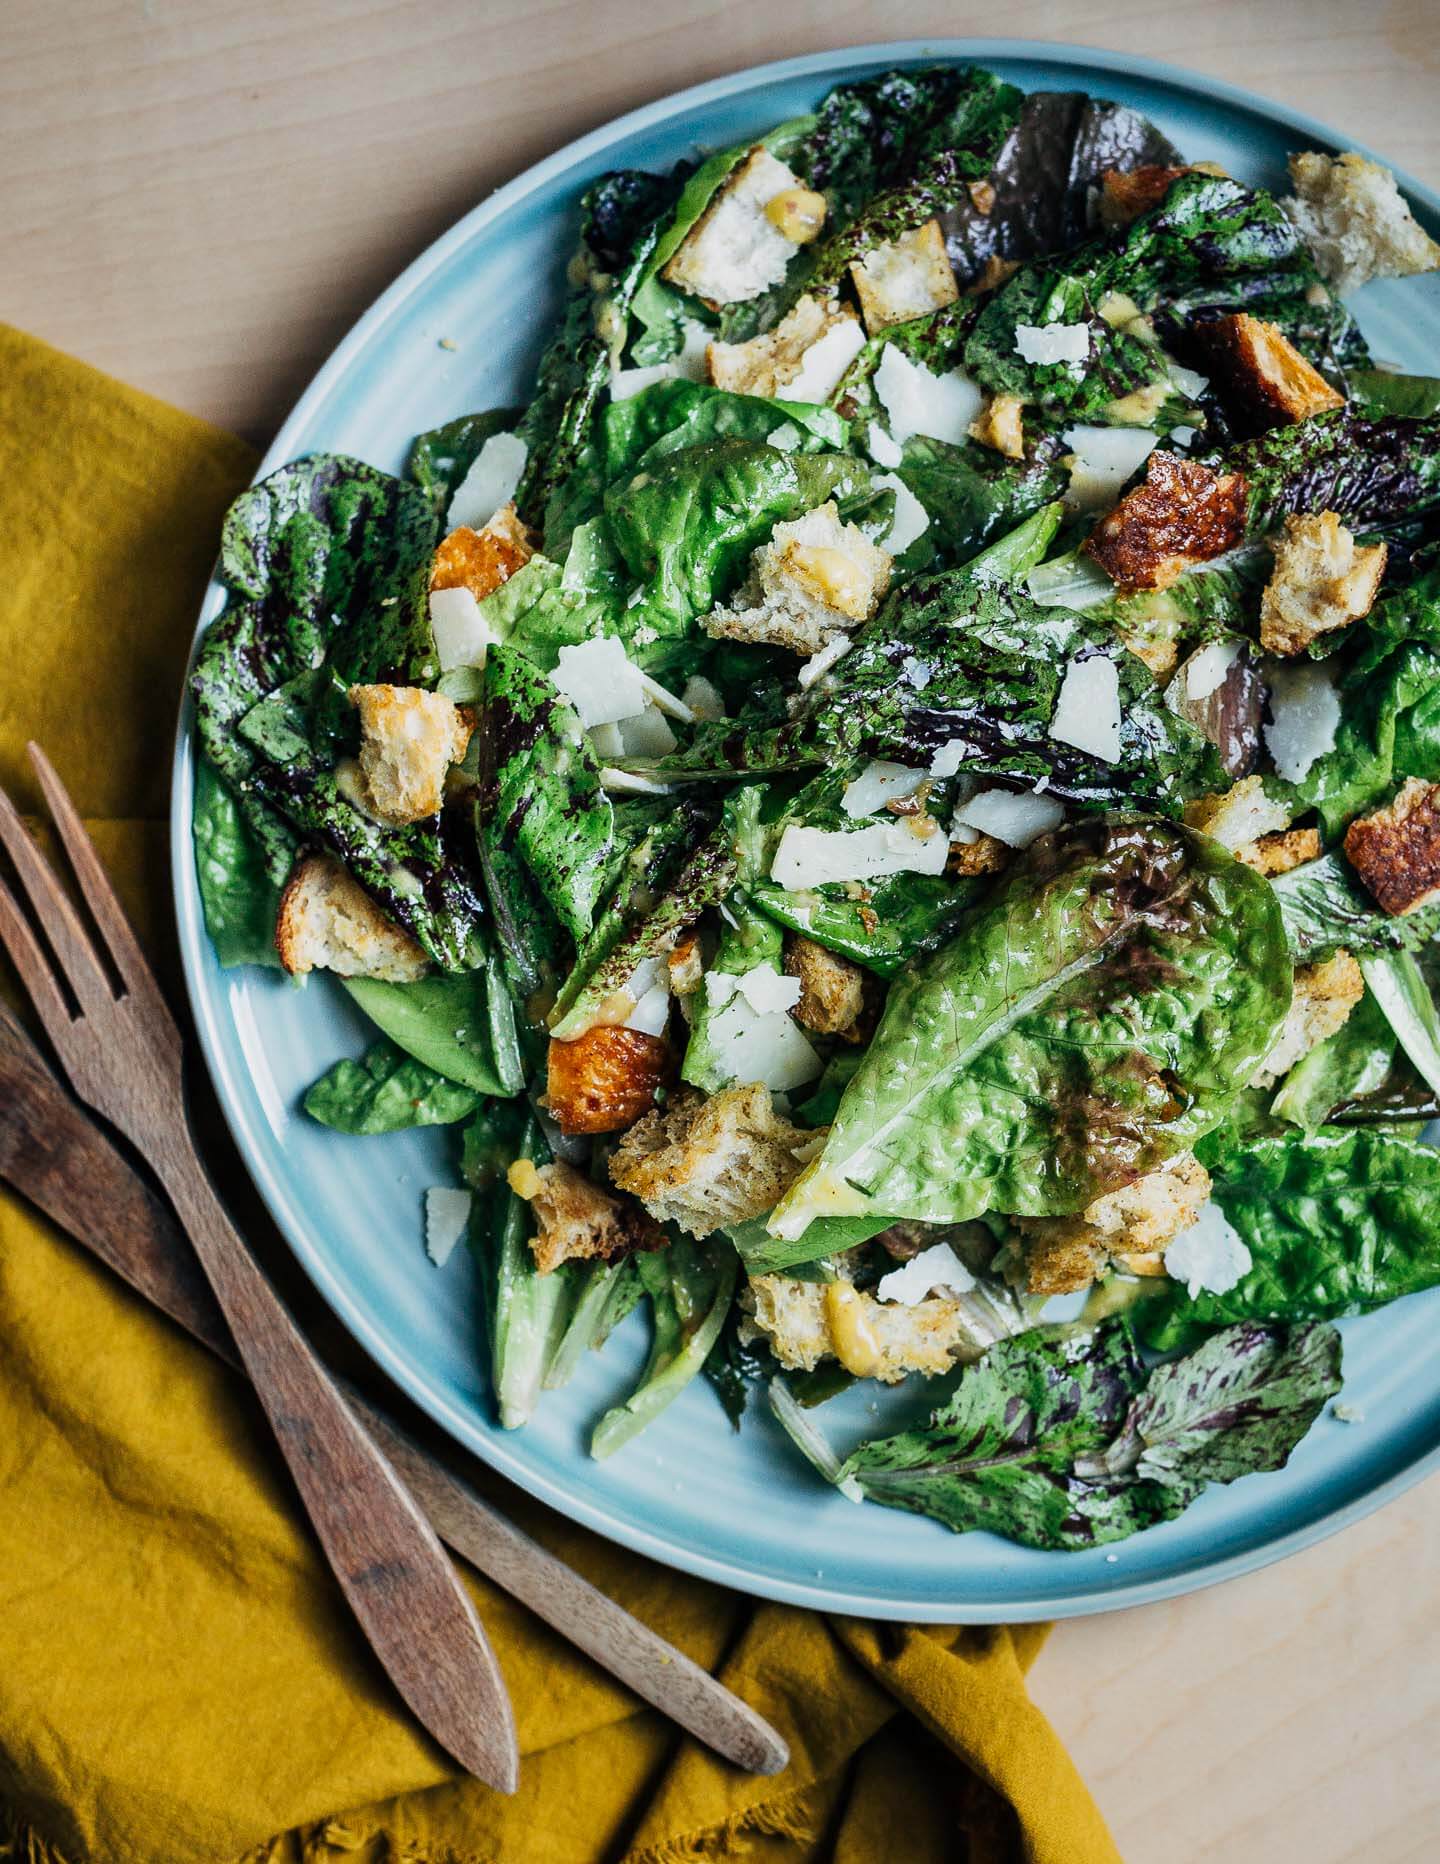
[[1384, 391], [440, 458], [462, 1027], [240, 898], [387, 1091], [1062, 1441], [1090, 1021], [1336, 1222]]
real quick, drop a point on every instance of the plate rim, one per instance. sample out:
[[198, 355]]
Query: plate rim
[[492, 1447]]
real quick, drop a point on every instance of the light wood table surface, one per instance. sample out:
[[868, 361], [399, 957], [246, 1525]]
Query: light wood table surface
[[200, 196]]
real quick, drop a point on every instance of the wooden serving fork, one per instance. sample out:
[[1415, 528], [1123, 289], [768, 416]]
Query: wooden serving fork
[[116, 1039]]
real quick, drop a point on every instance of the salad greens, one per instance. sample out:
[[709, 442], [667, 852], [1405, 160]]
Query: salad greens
[[834, 912]]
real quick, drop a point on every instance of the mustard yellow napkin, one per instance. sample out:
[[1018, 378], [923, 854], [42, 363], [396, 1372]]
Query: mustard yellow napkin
[[178, 1679]]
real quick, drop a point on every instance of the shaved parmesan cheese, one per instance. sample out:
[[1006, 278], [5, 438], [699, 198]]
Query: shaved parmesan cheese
[[951, 755], [651, 1012], [607, 741], [752, 1034], [1087, 712], [599, 681], [447, 1212], [689, 365], [911, 519], [920, 402], [808, 857], [822, 662], [1304, 712], [1182, 436], [665, 700], [1191, 385], [824, 363], [878, 784], [1015, 817], [936, 1270], [784, 438], [882, 448], [627, 382], [1105, 457], [646, 735], [767, 991], [1038, 343], [1206, 669], [490, 482], [701, 698], [462, 634], [1210, 1257], [630, 783]]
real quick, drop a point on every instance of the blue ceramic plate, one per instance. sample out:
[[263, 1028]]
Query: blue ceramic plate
[[742, 1509]]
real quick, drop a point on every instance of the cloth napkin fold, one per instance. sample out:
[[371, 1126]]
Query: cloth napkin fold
[[179, 1679]]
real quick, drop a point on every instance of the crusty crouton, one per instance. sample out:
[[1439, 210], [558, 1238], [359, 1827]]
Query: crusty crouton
[[409, 738], [1182, 515], [1355, 221], [816, 577], [1278, 853], [1324, 996], [604, 1079], [481, 560], [579, 1219], [702, 1163], [832, 988], [904, 278], [1322, 580], [1000, 425], [1263, 371], [1131, 1225], [735, 250], [808, 350], [807, 1321], [1396, 850], [1241, 816], [685, 966], [992, 275], [984, 855], [1125, 194], [328, 922]]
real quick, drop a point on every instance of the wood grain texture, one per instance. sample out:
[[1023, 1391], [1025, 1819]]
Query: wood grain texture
[[201, 197]]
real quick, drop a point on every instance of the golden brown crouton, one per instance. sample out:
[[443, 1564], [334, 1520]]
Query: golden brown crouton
[[984, 855], [992, 275], [702, 1163], [1277, 854], [409, 738], [904, 278], [578, 1218], [1000, 425], [735, 250], [481, 560], [1242, 815], [807, 1321], [1322, 580], [1263, 371], [1324, 996], [1126, 194], [1131, 1225], [328, 922], [1355, 220], [1182, 515], [1396, 850], [832, 988], [684, 965], [604, 1079], [816, 577], [790, 357]]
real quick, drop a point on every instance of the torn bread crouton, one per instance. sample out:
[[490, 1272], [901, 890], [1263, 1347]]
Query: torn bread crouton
[[1355, 221], [904, 278], [1131, 1226], [832, 988], [1244, 814], [1182, 515], [1000, 424], [685, 965], [736, 250], [605, 1079], [817, 577], [578, 1219], [1396, 850], [1324, 996], [809, 350], [701, 1163], [1278, 853], [481, 561], [409, 738], [984, 855], [1125, 194], [328, 922], [1322, 580], [1261, 369], [807, 1321]]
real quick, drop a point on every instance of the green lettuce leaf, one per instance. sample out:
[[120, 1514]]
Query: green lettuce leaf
[[387, 1091], [240, 898], [462, 1027]]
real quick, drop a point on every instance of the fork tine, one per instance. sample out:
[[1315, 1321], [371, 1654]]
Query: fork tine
[[109, 914], [34, 968], [68, 938]]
